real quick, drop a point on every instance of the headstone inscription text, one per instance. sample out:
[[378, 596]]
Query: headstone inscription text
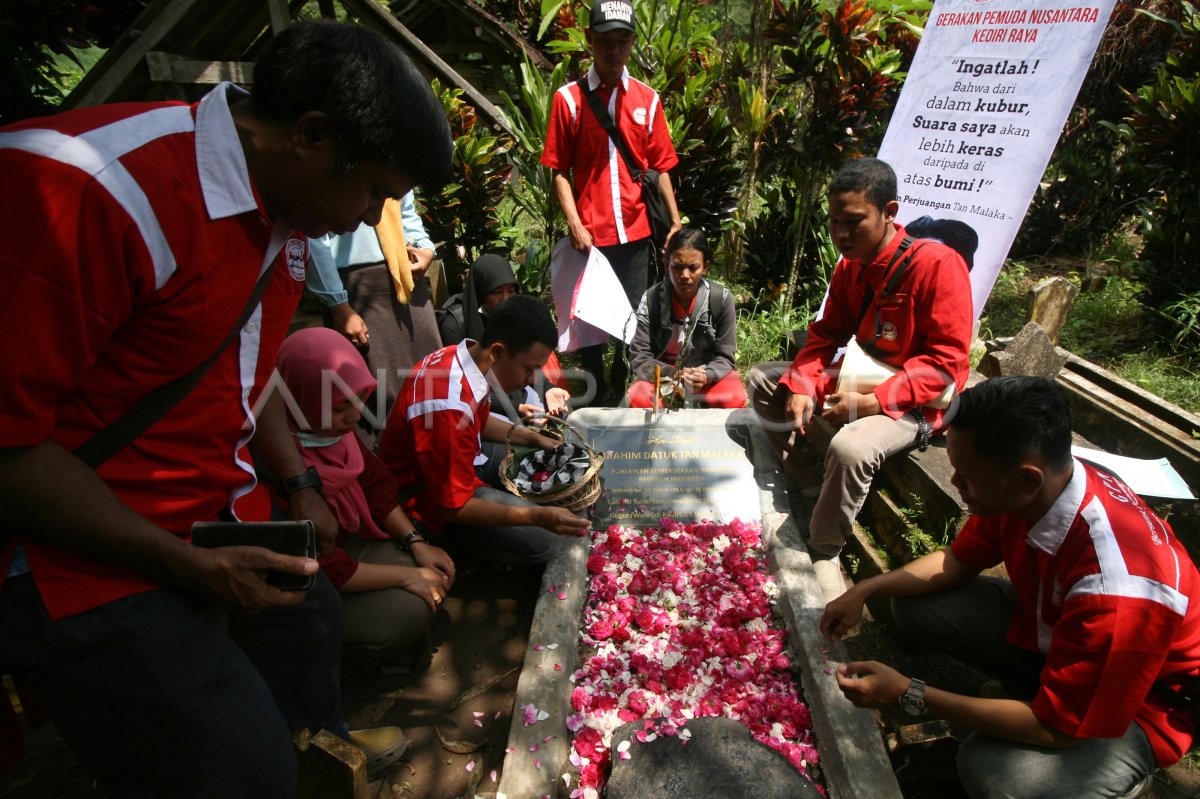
[[690, 465]]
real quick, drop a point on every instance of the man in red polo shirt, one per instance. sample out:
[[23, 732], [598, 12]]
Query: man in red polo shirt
[[599, 197], [135, 234], [1096, 637], [908, 304], [432, 439]]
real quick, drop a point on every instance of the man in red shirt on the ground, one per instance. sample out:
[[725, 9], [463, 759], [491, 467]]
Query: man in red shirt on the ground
[[135, 235], [908, 304], [431, 442], [599, 197], [1096, 637]]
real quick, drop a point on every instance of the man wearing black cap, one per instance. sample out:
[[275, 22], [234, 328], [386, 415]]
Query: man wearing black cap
[[600, 198]]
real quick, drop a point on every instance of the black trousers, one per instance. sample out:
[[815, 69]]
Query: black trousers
[[631, 263], [166, 694]]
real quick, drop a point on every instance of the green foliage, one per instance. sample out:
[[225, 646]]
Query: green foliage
[[464, 214], [763, 331], [1068, 215], [1007, 307], [40, 42], [1159, 130], [1184, 316], [528, 114], [1113, 327], [839, 72], [1107, 324]]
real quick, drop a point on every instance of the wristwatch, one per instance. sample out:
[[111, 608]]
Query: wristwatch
[[310, 479], [913, 700], [413, 537]]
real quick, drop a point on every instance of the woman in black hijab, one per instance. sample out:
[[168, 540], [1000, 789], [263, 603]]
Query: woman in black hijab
[[492, 281]]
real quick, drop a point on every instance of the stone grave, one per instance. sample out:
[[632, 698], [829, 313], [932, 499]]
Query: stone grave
[[1050, 303], [689, 464], [693, 465], [1030, 353]]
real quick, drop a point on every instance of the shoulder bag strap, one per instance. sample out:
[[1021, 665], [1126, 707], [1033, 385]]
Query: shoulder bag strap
[[606, 121], [869, 293], [152, 407], [889, 286]]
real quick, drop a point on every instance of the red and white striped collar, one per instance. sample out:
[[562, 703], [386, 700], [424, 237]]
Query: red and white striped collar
[[1049, 532], [475, 378]]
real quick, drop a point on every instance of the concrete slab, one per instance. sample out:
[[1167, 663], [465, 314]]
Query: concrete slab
[[853, 758]]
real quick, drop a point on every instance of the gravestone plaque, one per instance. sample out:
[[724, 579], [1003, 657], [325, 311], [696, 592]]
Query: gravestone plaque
[[691, 465]]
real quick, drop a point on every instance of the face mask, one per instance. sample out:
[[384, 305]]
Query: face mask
[[314, 440]]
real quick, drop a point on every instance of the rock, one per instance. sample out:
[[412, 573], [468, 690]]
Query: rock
[[1030, 353], [1049, 303], [720, 761]]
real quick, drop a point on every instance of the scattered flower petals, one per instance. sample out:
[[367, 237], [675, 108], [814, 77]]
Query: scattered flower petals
[[562, 594], [679, 624], [477, 713], [478, 723], [471, 766], [492, 774], [537, 763]]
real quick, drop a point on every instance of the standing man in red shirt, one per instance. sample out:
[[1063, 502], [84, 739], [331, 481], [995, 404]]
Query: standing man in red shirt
[[908, 304], [1096, 636], [599, 197], [135, 235]]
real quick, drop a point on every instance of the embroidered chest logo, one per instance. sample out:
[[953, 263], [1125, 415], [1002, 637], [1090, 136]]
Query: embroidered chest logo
[[889, 331], [296, 254], [639, 116]]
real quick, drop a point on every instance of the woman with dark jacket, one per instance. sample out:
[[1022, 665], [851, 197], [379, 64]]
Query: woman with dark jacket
[[686, 324]]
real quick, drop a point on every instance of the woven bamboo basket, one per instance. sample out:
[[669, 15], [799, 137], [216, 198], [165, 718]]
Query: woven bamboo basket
[[574, 497]]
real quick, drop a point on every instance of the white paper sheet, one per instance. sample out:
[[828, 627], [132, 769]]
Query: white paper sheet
[[588, 298], [1151, 478]]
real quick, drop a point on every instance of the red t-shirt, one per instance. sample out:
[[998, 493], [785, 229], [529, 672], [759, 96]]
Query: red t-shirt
[[1105, 590], [433, 432], [609, 202], [926, 320], [134, 241]]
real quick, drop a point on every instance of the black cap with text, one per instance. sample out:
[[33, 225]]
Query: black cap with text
[[611, 15]]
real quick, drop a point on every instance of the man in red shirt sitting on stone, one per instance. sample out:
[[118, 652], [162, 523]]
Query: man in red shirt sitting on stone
[[1096, 637], [908, 304]]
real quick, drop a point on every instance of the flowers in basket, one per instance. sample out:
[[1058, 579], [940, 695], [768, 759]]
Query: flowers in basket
[[678, 625], [543, 472]]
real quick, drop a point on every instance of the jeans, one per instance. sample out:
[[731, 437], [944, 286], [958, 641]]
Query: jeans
[[508, 546]]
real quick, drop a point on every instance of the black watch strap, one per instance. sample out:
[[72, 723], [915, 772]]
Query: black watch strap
[[310, 479]]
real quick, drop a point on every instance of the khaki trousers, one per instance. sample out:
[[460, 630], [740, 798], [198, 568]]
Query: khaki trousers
[[855, 454]]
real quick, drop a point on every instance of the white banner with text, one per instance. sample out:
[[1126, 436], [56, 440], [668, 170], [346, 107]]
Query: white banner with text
[[987, 95]]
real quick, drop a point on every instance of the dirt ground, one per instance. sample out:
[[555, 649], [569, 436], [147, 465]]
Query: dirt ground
[[480, 638]]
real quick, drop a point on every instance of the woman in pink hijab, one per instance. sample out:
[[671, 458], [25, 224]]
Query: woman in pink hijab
[[392, 580]]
